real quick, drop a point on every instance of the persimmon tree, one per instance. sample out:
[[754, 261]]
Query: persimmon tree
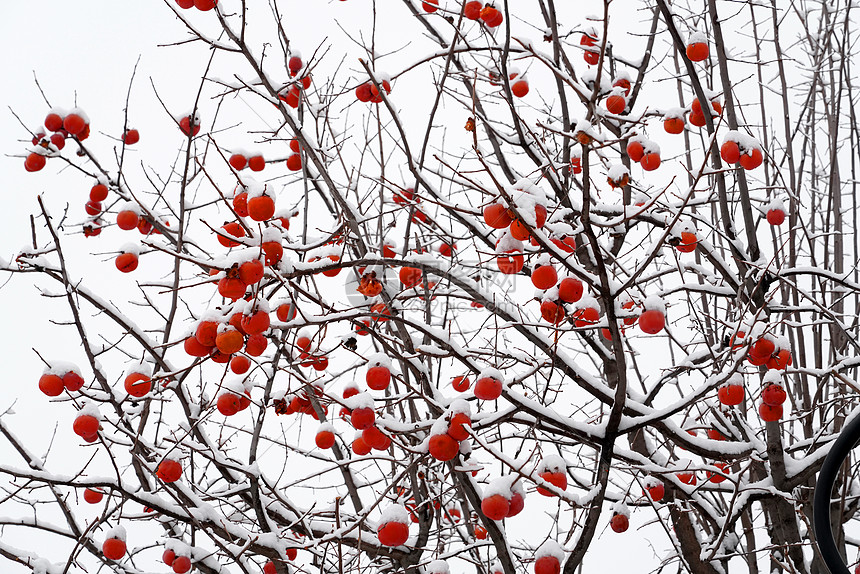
[[492, 282]]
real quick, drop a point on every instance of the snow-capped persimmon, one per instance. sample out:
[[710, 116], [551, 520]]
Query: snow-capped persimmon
[[697, 119], [615, 104], [547, 565], [696, 107], [552, 312], [261, 208], [674, 125], [53, 122], [446, 249], [517, 502], [779, 360], [544, 277], [687, 477], [635, 150], [751, 159], [511, 262], [619, 523], [74, 124], [269, 568], [93, 207], [520, 88], [472, 10], [656, 491], [497, 216], [72, 381], [189, 127], [731, 394], [257, 343], [624, 84], [461, 383], [194, 348], [229, 341], [650, 161], [238, 161], [375, 438], [85, 426], [93, 495], [570, 290], [717, 477], [457, 427], [206, 332], [491, 16], [360, 447], [688, 242], [558, 479], [127, 219], [591, 57], [430, 6], [586, 316], [144, 226], [295, 64], [205, 5], [58, 140], [775, 216], [286, 312], [566, 243], [488, 388], [51, 384], [231, 288], [773, 395], [652, 321], [393, 533], [443, 447], [274, 252], [324, 437], [495, 507], [363, 92], [730, 152], [761, 350], [228, 404], [138, 384], [251, 271], [181, 565], [131, 137], [698, 51], [234, 229], [126, 262], [410, 276], [114, 548], [240, 364], [294, 162], [480, 532], [378, 377], [256, 163], [256, 322], [292, 97], [362, 418], [169, 470], [34, 162], [39, 137], [98, 192]]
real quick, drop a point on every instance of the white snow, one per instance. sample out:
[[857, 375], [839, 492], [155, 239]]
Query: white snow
[[117, 532], [552, 463], [550, 548], [395, 513]]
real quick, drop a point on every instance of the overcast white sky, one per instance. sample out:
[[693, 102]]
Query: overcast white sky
[[87, 49]]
